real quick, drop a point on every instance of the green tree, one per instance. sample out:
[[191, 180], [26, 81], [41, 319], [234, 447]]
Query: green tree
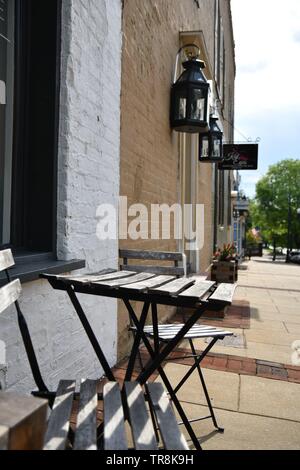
[[274, 208]]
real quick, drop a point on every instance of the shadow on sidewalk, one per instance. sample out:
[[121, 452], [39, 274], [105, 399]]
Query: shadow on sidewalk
[[255, 314], [270, 261]]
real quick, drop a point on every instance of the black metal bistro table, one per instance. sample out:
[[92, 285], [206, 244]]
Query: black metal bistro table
[[152, 290]]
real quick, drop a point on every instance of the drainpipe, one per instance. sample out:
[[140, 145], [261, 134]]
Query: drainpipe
[[216, 208]]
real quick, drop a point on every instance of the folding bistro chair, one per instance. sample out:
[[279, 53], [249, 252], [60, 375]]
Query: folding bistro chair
[[168, 332], [119, 405]]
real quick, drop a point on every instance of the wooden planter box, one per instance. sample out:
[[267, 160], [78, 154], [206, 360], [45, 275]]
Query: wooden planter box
[[224, 271]]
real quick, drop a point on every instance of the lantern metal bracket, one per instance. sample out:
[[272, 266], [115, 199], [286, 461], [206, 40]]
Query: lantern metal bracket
[[178, 55]]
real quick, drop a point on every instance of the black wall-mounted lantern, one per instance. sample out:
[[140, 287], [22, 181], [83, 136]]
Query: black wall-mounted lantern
[[189, 96], [211, 143], [236, 214]]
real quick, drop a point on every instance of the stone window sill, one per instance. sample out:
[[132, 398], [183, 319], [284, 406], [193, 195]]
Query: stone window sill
[[29, 266]]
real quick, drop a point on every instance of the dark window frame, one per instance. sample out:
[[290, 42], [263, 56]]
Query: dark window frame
[[31, 260], [24, 200]]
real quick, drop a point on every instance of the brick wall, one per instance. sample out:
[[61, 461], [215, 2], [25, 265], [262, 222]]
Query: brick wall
[[150, 157], [88, 174]]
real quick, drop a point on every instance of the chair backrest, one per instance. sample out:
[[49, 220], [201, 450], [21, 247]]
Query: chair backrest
[[11, 291], [9, 294], [155, 256]]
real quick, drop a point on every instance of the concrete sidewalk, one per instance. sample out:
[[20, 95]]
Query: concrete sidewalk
[[257, 412], [273, 291]]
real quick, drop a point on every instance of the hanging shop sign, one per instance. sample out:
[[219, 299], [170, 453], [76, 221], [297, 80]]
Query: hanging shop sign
[[239, 157]]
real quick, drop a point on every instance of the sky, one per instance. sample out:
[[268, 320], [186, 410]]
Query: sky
[[267, 95]]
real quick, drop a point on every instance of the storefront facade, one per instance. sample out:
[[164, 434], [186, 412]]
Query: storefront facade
[[60, 72]]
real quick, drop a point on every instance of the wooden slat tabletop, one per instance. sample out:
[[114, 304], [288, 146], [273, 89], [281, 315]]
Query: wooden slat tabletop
[[149, 287], [174, 287], [126, 280], [156, 281], [89, 278], [198, 290], [224, 293]]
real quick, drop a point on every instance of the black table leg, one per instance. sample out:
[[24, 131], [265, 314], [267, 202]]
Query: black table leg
[[171, 346], [198, 359], [197, 362], [137, 339], [93, 340], [165, 380]]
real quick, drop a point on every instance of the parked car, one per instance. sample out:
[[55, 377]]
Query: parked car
[[295, 257]]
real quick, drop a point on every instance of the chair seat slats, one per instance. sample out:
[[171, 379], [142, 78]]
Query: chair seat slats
[[141, 424], [168, 332], [59, 422], [114, 426], [169, 430], [9, 294], [86, 429]]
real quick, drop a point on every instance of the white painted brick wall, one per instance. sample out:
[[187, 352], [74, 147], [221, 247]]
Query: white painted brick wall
[[88, 175]]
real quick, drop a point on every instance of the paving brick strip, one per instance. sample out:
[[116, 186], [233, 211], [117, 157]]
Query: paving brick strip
[[227, 363], [247, 366]]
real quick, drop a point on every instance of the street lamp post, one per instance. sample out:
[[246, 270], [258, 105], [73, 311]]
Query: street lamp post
[[289, 229]]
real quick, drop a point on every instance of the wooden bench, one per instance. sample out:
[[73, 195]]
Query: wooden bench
[[127, 404], [180, 266]]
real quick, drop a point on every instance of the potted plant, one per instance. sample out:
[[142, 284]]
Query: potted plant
[[224, 266]]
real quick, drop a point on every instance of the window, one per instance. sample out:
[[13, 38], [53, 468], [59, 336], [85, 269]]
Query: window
[[28, 146], [6, 114], [29, 103]]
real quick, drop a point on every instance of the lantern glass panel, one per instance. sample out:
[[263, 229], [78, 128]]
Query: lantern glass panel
[[205, 147], [216, 150], [198, 105], [180, 105]]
